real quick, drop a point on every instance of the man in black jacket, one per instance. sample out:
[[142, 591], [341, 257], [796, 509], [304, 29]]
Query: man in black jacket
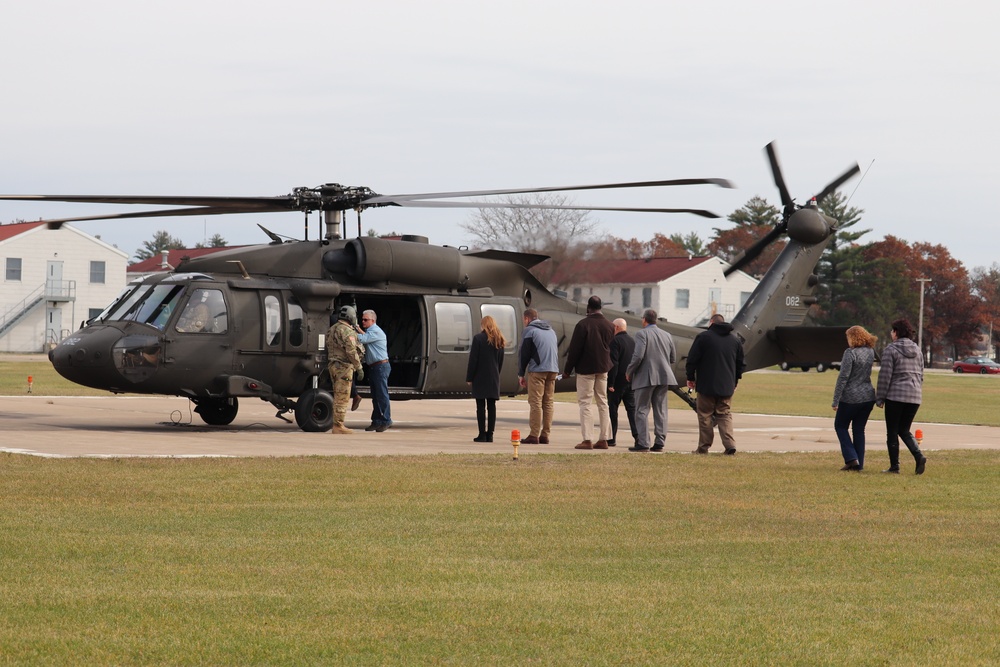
[[619, 388], [714, 368], [589, 356]]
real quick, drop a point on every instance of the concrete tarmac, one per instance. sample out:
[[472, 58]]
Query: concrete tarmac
[[157, 426]]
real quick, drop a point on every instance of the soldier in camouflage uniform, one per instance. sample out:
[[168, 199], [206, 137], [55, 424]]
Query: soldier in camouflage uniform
[[344, 355]]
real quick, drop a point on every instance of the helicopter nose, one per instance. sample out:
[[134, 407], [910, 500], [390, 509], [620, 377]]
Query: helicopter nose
[[86, 358]]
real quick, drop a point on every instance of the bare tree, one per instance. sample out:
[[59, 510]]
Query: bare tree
[[559, 233]]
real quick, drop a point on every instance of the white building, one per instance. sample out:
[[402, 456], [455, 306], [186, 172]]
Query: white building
[[53, 280], [684, 290]]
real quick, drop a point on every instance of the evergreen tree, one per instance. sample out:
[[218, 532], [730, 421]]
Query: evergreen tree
[[839, 293], [215, 242], [162, 240]]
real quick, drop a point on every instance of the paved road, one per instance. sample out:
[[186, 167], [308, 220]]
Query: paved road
[[164, 426]]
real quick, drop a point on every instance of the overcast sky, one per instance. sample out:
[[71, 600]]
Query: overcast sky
[[257, 98]]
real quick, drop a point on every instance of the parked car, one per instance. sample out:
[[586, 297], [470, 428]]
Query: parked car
[[820, 366], [976, 365]]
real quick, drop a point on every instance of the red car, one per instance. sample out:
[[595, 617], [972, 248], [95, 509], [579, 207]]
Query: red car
[[976, 365]]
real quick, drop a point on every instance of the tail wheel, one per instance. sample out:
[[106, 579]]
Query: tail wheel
[[820, 367], [314, 411], [218, 412]]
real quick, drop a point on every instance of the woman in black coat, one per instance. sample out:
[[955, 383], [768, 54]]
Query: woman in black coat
[[483, 375]]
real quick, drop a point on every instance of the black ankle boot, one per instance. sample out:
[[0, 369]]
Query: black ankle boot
[[892, 469], [482, 437]]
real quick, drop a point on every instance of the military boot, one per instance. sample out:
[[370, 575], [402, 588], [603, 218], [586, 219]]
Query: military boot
[[338, 427]]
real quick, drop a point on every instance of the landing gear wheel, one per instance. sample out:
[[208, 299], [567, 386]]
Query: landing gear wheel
[[820, 367], [218, 412], [314, 411]]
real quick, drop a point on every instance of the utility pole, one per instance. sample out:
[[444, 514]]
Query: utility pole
[[920, 326]]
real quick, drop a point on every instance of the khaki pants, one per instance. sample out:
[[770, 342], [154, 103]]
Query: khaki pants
[[588, 389], [541, 401], [719, 407]]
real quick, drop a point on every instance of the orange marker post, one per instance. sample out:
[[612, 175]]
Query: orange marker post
[[515, 441], [919, 435], [31, 381]]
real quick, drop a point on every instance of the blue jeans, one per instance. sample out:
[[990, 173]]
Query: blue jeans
[[378, 380], [856, 416]]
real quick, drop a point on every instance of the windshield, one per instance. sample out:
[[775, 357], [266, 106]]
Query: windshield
[[147, 304]]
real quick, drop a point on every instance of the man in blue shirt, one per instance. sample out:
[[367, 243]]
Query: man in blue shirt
[[377, 369]]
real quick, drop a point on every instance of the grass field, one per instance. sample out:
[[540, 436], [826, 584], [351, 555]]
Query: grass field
[[771, 559], [948, 398], [774, 559]]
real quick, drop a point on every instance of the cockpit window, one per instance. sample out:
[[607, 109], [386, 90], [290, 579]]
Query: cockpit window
[[116, 303], [205, 312], [156, 308]]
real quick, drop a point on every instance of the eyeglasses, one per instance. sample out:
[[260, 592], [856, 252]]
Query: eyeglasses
[[366, 319]]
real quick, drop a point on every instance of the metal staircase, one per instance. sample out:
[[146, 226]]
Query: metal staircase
[[55, 291]]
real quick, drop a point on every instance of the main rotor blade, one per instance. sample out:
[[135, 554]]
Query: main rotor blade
[[486, 204], [56, 223], [395, 199], [779, 180], [258, 203], [837, 182], [754, 251]]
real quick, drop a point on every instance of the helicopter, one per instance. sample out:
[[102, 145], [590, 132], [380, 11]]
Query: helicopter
[[250, 322]]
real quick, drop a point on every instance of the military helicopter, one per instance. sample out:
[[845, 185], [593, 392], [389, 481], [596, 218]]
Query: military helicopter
[[250, 322]]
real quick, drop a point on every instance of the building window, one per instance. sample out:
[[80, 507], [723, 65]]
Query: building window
[[93, 313], [683, 298], [744, 297], [97, 272], [626, 297], [647, 297], [454, 327], [14, 269]]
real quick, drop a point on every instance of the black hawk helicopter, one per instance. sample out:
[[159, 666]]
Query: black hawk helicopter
[[250, 322]]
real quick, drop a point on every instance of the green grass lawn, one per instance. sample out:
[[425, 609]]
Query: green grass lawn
[[948, 398], [770, 559]]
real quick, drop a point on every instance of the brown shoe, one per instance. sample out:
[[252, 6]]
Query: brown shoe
[[530, 440], [585, 445], [341, 429], [355, 402], [543, 440], [601, 444]]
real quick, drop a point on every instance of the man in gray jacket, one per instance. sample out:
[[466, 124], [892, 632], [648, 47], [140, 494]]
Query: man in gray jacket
[[651, 376], [537, 369]]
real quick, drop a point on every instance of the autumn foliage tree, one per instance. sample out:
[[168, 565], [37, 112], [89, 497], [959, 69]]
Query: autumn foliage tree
[[753, 222], [952, 314]]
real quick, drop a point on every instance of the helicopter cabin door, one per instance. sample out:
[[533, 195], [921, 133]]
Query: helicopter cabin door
[[452, 321]]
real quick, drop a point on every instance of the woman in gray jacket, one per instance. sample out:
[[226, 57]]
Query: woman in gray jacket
[[900, 378], [854, 396]]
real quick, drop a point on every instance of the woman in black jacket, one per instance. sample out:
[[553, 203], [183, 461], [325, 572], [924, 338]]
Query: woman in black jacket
[[483, 375]]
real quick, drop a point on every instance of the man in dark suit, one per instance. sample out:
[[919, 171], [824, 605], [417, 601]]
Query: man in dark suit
[[652, 376], [619, 388]]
